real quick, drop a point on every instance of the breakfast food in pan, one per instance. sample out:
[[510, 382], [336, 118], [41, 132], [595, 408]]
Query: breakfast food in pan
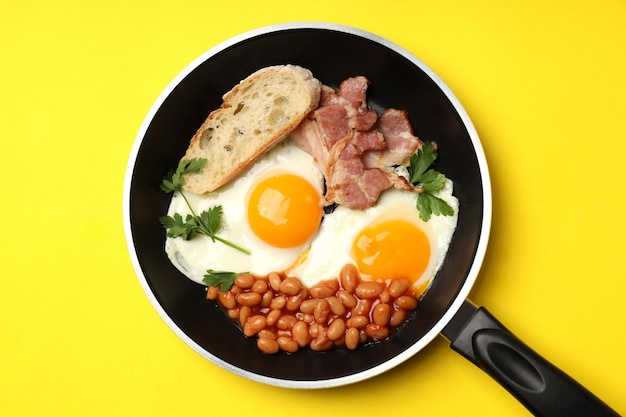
[[314, 221]]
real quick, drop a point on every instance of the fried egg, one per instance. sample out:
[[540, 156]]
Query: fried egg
[[386, 241], [272, 210]]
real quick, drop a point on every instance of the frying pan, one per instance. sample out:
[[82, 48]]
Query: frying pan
[[399, 80]]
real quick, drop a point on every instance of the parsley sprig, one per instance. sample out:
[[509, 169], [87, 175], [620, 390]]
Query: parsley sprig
[[430, 181], [207, 223], [223, 279]]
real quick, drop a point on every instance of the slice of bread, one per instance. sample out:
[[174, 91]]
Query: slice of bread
[[255, 115]]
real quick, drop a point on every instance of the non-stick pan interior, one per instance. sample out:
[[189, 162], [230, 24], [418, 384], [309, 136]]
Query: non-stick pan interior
[[332, 54]]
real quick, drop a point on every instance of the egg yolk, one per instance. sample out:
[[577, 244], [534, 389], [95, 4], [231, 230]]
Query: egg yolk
[[284, 210], [392, 249]]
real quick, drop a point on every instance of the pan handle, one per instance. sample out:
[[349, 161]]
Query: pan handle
[[540, 386]]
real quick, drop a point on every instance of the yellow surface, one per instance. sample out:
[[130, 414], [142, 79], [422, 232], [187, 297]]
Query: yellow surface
[[544, 83]]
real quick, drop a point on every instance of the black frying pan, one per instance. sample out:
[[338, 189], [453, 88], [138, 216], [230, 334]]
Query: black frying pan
[[399, 80]]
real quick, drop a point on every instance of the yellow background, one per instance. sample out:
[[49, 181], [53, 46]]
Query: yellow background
[[544, 82]]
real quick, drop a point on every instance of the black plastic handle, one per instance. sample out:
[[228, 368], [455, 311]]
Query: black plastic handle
[[540, 386]]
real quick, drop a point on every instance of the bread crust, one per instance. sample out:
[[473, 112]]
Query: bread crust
[[255, 115]]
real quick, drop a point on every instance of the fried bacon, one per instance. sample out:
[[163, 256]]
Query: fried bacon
[[356, 150]]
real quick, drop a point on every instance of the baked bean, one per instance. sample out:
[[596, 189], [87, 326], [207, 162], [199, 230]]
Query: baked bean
[[274, 280], [259, 286], [336, 329], [267, 345], [300, 332], [267, 333], [362, 308], [406, 302], [318, 331], [376, 332], [308, 306], [244, 313], [314, 330], [249, 298], [368, 290], [353, 338], [358, 322], [272, 317], [336, 306], [293, 302], [286, 322], [233, 313], [321, 312], [398, 287], [212, 293], [397, 317], [227, 299], [381, 314], [321, 344], [341, 341], [268, 296], [244, 281], [349, 277], [254, 324], [347, 299], [290, 286], [287, 344], [324, 289], [278, 302], [285, 315], [363, 336]]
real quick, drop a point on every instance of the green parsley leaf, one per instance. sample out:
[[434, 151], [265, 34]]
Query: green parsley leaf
[[193, 166], [421, 160], [167, 184], [428, 204], [174, 180], [430, 181], [433, 181], [177, 227], [207, 223], [211, 220], [223, 279]]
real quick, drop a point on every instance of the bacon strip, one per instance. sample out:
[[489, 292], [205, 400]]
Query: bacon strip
[[355, 149]]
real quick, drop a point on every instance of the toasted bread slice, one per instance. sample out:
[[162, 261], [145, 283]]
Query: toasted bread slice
[[255, 115]]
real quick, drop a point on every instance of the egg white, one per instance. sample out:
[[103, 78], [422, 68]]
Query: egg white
[[195, 256], [330, 250]]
